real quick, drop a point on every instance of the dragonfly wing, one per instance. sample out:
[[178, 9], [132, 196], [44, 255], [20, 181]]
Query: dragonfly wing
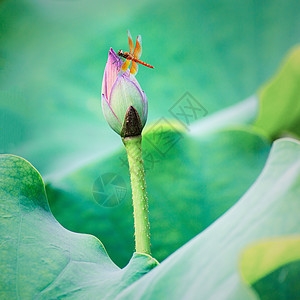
[[125, 65], [130, 41], [138, 47], [134, 68]]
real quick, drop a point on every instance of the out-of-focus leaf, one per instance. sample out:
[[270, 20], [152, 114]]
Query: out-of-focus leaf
[[264, 257], [207, 266], [42, 260], [191, 181], [279, 110], [272, 267], [281, 284], [242, 113]]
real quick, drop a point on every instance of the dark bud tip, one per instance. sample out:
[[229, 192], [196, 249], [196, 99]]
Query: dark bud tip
[[132, 125]]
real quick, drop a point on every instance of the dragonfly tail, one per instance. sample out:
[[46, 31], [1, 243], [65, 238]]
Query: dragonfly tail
[[143, 63]]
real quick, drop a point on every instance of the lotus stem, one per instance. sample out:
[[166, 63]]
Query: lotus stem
[[133, 147]]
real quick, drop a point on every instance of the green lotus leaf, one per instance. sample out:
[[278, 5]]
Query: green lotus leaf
[[279, 111], [42, 260], [272, 267]]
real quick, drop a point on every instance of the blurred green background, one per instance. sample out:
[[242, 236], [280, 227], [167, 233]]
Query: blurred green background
[[53, 53], [52, 58]]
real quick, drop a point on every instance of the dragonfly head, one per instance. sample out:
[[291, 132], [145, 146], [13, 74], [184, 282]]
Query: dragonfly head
[[120, 52]]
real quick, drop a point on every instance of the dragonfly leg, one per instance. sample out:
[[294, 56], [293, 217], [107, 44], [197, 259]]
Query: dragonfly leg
[[117, 60]]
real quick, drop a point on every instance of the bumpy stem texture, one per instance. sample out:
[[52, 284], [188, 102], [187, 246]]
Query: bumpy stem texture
[[133, 147]]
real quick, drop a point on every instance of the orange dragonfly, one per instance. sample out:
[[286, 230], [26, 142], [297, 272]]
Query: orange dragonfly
[[133, 56]]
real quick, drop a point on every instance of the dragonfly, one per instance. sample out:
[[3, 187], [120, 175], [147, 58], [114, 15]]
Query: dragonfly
[[133, 55]]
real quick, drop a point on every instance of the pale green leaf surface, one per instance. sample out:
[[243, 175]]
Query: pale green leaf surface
[[243, 112], [207, 266], [41, 259]]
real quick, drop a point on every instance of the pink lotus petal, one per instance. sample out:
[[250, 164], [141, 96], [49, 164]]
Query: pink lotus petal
[[112, 68]]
